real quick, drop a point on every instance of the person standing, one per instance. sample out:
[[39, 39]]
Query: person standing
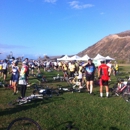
[[104, 72], [27, 63], [109, 64], [89, 72], [5, 67], [23, 79], [65, 71], [116, 68], [72, 69], [15, 76], [1, 67]]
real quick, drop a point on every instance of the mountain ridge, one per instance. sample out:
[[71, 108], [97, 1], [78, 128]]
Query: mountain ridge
[[113, 45]]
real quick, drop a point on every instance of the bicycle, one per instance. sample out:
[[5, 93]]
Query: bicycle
[[23, 123], [25, 100], [75, 84], [38, 93], [126, 93], [122, 88], [45, 91]]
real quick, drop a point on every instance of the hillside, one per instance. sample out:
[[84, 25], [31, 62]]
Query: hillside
[[116, 46]]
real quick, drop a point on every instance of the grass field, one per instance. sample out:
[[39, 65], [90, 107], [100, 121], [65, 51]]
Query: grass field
[[84, 111]]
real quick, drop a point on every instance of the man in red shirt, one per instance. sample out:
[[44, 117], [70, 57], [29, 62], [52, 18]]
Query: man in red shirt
[[104, 75]]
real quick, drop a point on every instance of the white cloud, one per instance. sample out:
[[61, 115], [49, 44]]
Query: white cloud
[[50, 1], [79, 5]]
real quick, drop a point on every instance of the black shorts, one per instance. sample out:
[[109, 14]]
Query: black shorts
[[4, 71], [32, 68], [103, 82], [89, 77]]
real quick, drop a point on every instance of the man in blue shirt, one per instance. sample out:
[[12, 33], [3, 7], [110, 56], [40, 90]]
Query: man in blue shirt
[[89, 71]]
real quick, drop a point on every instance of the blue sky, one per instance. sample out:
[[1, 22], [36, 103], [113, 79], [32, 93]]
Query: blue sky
[[33, 28]]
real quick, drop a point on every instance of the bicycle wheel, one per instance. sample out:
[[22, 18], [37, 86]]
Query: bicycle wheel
[[126, 97], [24, 123]]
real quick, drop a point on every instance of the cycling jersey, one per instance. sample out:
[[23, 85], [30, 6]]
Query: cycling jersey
[[104, 73]]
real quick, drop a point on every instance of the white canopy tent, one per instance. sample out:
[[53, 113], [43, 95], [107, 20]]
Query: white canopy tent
[[66, 57], [109, 58], [84, 58], [75, 57], [99, 57]]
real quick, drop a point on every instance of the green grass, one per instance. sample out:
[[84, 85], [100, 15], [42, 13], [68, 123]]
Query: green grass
[[84, 111]]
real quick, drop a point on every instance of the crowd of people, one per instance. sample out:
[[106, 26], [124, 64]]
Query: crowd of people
[[18, 75], [83, 70]]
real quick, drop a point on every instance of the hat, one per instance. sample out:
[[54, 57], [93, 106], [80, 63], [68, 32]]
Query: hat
[[89, 59]]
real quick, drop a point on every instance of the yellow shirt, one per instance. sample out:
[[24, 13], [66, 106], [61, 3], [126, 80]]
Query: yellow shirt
[[72, 67], [0, 66], [64, 67], [116, 66]]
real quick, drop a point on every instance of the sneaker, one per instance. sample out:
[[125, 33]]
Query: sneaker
[[14, 93], [88, 91], [79, 91], [17, 91]]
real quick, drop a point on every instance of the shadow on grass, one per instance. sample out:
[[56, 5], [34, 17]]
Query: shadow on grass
[[3, 128], [30, 105], [113, 128], [68, 125]]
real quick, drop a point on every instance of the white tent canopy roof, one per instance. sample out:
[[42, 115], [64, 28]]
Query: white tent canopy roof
[[99, 57], [109, 58], [66, 57], [75, 57], [84, 58]]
